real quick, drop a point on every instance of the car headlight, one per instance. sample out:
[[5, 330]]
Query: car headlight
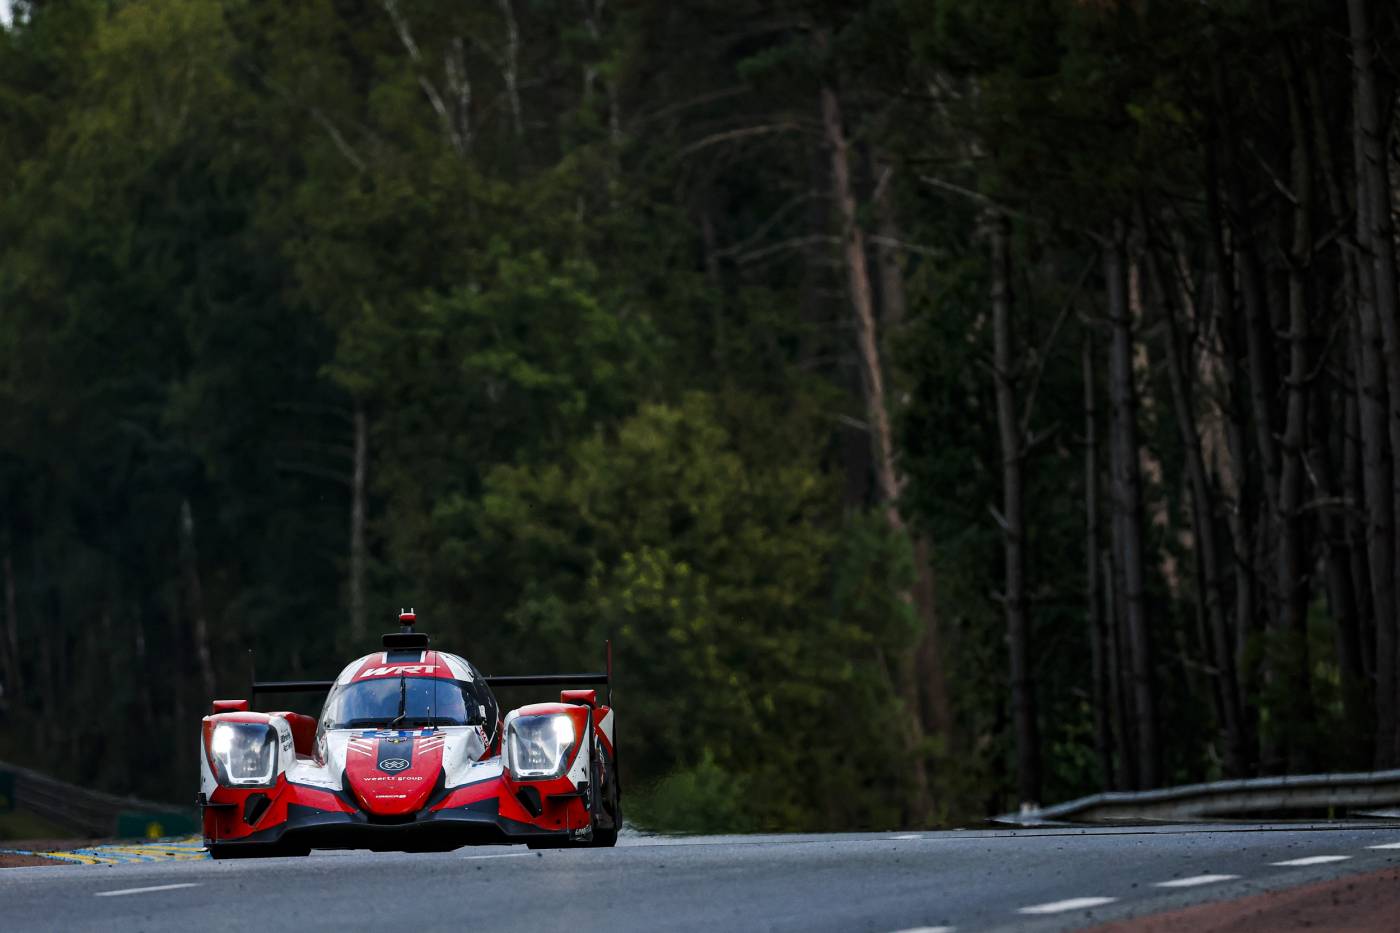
[[245, 753], [538, 747]]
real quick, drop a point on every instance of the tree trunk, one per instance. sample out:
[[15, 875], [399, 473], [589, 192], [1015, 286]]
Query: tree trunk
[[1292, 564], [1098, 636], [457, 135], [1203, 513], [1127, 481], [1341, 591], [934, 708], [1118, 665], [1357, 523], [1261, 378], [1377, 238], [1376, 475], [887, 479], [892, 299], [357, 527], [1023, 705], [1241, 510], [1259, 358], [592, 21], [1348, 583], [510, 68], [189, 559]]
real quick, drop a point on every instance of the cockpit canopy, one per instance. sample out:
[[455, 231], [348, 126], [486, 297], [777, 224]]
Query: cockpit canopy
[[404, 701], [409, 690]]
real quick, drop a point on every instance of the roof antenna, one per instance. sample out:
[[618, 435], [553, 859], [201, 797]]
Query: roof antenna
[[406, 621]]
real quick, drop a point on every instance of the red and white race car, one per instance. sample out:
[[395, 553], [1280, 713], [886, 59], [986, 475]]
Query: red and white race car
[[410, 753]]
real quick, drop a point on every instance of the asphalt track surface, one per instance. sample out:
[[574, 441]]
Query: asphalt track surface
[[1050, 879]]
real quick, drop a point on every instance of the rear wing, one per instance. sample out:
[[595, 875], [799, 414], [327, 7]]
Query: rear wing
[[603, 678]]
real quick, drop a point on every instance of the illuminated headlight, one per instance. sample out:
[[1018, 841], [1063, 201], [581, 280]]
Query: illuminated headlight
[[537, 747], [245, 753]]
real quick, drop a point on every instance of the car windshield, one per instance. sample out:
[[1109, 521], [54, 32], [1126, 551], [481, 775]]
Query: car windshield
[[402, 701]]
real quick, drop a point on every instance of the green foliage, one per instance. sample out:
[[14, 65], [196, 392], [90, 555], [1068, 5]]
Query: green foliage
[[702, 799], [714, 574], [587, 293]]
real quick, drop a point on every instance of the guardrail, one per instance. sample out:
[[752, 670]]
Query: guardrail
[[90, 812], [1224, 799]]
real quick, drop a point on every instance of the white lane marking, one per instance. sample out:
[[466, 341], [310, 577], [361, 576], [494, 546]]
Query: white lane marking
[[159, 887], [1194, 880], [911, 836], [1388, 845], [1074, 903], [468, 858], [1313, 860]]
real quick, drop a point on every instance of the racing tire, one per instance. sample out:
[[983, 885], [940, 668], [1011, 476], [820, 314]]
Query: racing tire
[[602, 837], [606, 838]]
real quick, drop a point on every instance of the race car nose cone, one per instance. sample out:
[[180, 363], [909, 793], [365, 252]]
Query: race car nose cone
[[393, 773]]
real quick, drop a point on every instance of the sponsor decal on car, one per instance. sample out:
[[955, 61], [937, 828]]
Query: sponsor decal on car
[[398, 669]]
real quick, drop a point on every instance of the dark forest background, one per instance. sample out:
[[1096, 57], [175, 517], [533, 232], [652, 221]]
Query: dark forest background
[[942, 404]]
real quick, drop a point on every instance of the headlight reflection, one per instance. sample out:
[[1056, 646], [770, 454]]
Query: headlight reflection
[[246, 753], [538, 747]]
